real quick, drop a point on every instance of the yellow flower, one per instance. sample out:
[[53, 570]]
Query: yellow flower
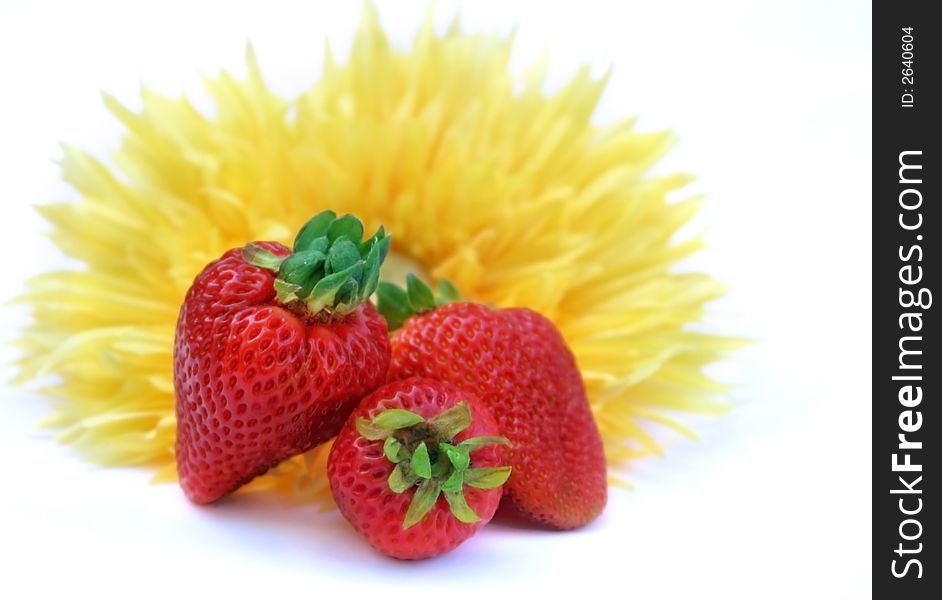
[[514, 195]]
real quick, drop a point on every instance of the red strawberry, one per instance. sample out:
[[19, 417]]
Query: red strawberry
[[273, 350], [417, 468], [516, 361]]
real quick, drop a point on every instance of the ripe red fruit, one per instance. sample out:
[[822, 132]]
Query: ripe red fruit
[[273, 350], [417, 468], [517, 362]]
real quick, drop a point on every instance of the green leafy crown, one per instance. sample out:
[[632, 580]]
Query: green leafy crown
[[397, 304], [331, 269], [427, 459]]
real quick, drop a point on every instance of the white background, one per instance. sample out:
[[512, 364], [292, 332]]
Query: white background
[[771, 101]]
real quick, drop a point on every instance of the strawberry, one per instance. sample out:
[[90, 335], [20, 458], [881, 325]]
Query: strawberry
[[516, 361], [273, 350], [417, 468]]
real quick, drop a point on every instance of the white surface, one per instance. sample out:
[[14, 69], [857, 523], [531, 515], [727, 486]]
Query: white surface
[[772, 104]]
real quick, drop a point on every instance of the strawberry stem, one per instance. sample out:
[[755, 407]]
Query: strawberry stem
[[397, 305], [332, 269], [425, 456]]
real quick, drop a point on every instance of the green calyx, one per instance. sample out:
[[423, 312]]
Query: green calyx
[[332, 269], [427, 460], [397, 304]]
